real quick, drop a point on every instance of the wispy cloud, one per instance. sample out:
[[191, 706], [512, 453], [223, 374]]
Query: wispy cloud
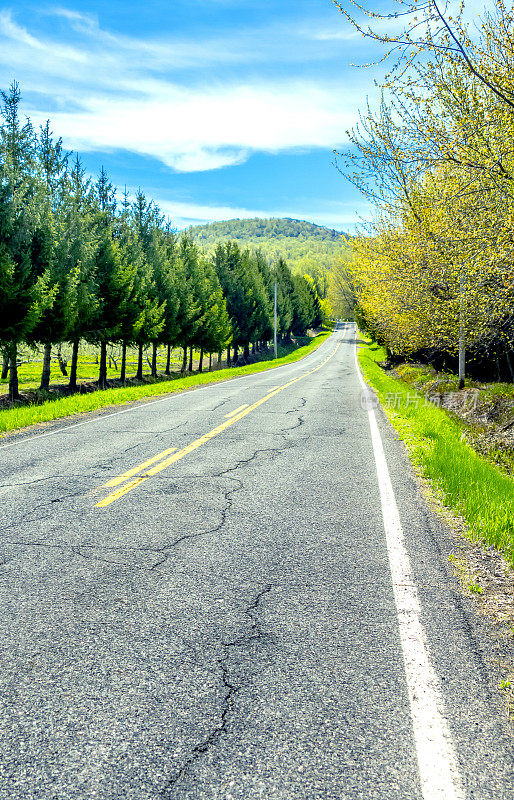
[[344, 34], [142, 103], [26, 43], [341, 216], [201, 129]]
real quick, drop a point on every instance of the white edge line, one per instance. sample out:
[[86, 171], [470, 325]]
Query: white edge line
[[437, 759], [169, 396]]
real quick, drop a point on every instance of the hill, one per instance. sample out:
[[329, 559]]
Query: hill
[[305, 246]]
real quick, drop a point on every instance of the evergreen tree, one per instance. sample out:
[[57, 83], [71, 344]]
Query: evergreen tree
[[215, 332], [257, 316], [53, 162], [27, 291], [190, 277], [285, 289], [114, 284], [164, 255], [317, 318], [57, 321], [149, 307], [266, 332], [105, 194], [303, 306], [76, 248]]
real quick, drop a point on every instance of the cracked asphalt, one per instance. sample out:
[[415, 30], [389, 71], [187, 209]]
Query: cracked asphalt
[[227, 629]]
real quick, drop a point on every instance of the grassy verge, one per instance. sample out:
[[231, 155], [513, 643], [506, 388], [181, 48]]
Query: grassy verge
[[486, 408], [463, 480], [20, 417]]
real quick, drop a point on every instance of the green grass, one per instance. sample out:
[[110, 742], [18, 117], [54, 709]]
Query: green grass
[[22, 416], [426, 378], [463, 480], [29, 371]]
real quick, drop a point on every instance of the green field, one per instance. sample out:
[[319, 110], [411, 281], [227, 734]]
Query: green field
[[29, 372]]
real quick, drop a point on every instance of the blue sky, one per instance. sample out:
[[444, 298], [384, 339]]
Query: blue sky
[[215, 108]]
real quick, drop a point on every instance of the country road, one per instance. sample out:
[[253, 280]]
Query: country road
[[235, 593]]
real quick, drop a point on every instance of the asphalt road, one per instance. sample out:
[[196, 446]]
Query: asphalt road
[[227, 627]]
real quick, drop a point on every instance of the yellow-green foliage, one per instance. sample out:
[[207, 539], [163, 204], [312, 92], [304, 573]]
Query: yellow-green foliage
[[425, 272], [436, 160]]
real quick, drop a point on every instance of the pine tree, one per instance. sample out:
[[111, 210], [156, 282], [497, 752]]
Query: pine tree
[[105, 194], [76, 247], [189, 280], [114, 284], [303, 306], [27, 291], [215, 332], [144, 218], [53, 162], [285, 289], [57, 321]]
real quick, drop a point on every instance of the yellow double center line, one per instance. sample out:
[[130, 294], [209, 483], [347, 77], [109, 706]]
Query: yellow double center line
[[145, 470]]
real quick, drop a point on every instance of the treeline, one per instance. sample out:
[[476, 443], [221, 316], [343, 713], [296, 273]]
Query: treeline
[[77, 265], [271, 228], [308, 249], [434, 276]]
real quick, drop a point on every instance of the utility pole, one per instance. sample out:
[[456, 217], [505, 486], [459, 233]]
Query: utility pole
[[462, 311], [462, 336], [275, 321]]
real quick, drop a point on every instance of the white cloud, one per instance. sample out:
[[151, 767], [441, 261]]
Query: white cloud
[[345, 34], [140, 105], [77, 19], [27, 43], [201, 129]]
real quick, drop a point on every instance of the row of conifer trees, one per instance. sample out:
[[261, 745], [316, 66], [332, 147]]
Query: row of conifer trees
[[78, 265]]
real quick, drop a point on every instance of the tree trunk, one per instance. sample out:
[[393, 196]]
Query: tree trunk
[[200, 363], [184, 359], [45, 374], [123, 368], [228, 357], [62, 364], [139, 373], [236, 354], [220, 356], [462, 354], [191, 358], [253, 348], [462, 335], [14, 393], [210, 362], [72, 384], [509, 364], [102, 374], [247, 351], [168, 360], [5, 365], [154, 359]]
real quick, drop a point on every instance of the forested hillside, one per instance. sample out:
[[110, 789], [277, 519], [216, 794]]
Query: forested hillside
[[303, 245]]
